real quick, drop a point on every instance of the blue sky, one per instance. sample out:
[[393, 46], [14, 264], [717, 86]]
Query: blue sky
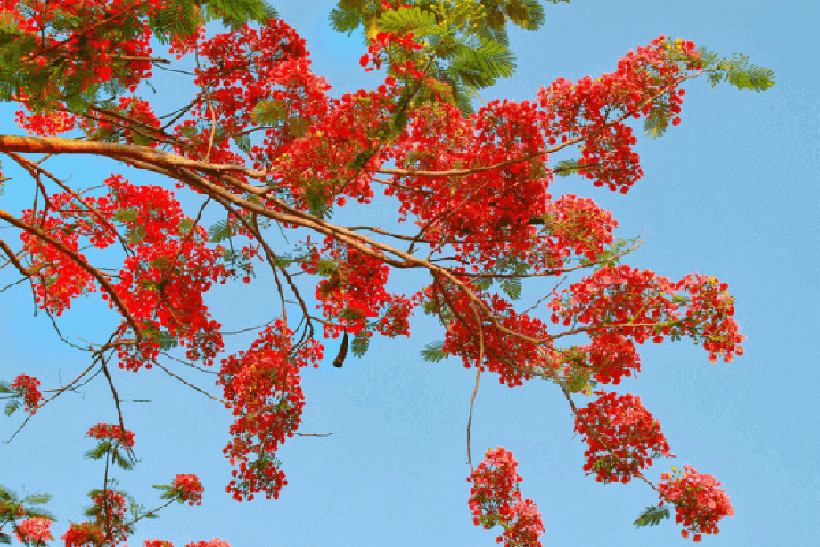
[[732, 192]]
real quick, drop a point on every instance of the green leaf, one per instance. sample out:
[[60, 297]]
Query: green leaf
[[652, 516], [433, 352], [166, 340], [7, 494], [122, 462], [566, 168], [345, 20], [219, 231], [483, 283], [126, 215], [480, 67], [235, 13], [38, 499], [737, 72], [360, 344], [512, 287], [12, 406], [526, 14], [412, 19], [656, 122], [243, 142], [185, 226], [100, 451], [269, 112], [180, 21]]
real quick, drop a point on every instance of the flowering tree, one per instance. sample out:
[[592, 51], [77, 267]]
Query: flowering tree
[[476, 182]]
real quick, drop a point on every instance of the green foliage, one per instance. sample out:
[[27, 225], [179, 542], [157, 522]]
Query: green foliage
[[405, 20], [566, 168], [12, 406], [13, 45], [243, 142], [347, 17], [220, 231], [507, 265], [360, 344], [443, 312], [166, 340], [316, 194], [179, 23], [269, 112], [234, 13], [652, 516], [480, 67], [104, 447], [657, 121], [470, 35], [737, 71], [433, 352], [512, 287]]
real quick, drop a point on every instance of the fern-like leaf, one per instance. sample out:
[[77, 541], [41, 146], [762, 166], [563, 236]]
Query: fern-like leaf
[[652, 516], [512, 287], [433, 352]]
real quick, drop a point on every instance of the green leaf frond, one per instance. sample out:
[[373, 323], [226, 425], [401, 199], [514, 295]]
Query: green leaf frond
[[360, 344], [652, 516], [235, 13], [433, 352], [736, 71]]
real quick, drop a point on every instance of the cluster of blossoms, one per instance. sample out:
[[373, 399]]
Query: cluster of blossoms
[[269, 369], [495, 499], [81, 535], [699, 503], [109, 510], [357, 292], [36, 529], [621, 435], [28, 385], [642, 305], [111, 432], [317, 143], [190, 488], [153, 293]]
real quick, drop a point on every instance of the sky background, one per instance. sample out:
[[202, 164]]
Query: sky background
[[732, 192]]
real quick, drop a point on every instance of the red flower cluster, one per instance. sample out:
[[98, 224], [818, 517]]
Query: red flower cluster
[[382, 40], [269, 369], [639, 303], [190, 487], [359, 293], [495, 499], [35, 529], [699, 503], [105, 431], [114, 506], [318, 149], [82, 535], [28, 385], [621, 435]]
